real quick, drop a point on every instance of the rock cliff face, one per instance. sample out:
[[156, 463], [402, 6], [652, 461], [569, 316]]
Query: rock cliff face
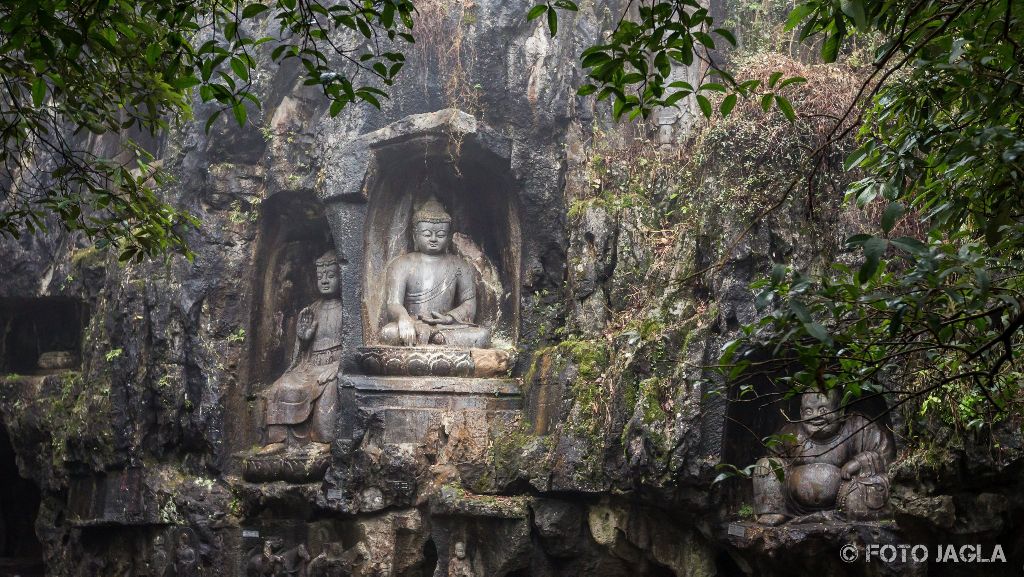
[[611, 261]]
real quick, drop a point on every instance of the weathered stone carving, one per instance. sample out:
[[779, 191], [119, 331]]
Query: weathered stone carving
[[300, 406], [335, 562], [271, 561], [431, 294], [57, 360], [158, 560], [436, 361], [831, 461], [328, 563], [417, 361], [458, 565], [186, 562], [430, 310]]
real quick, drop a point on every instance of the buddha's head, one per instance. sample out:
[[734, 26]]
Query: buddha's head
[[327, 281], [820, 415], [460, 550], [431, 228]]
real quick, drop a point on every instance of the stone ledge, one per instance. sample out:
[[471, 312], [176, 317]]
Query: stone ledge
[[454, 501], [432, 385], [303, 468]]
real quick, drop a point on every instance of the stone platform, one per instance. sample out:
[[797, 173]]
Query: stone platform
[[433, 360], [303, 466], [410, 406]]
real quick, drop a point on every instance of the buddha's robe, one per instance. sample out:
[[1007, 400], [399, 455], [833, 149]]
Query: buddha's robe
[[443, 284]]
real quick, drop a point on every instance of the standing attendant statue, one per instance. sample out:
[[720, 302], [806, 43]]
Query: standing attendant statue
[[301, 403], [831, 461], [186, 562], [430, 294]]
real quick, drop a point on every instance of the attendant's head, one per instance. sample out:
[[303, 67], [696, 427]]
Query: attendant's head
[[820, 414], [327, 281]]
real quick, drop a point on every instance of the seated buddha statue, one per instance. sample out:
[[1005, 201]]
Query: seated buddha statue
[[300, 405], [829, 461], [430, 294]]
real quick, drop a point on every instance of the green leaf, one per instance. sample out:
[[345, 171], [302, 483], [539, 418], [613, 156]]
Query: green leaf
[[705, 105], [817, 331], [785, 107], [798, 14], [778, 273], [38, 91], [210, 121], [586, 89], [830, 48], [891, 214], [552, 22], [370, 98], [239, 111], [536, 11], [800, 311], [984, 281], [152, 54], [792, 80], [252, 10], [855, 158], [874, 247], [855, 10], [240, 69], [911, 245], [675, 97], [727, 35], [727, 104]]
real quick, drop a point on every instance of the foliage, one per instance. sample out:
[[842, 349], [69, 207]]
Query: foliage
[[635, 67], [89, 85], [934, 317]]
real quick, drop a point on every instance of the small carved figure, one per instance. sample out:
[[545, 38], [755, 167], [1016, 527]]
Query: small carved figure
[[295, 561], [186, 562], [358, 561], [300, 405], [329, 562], [158, 559], [430, 294], [458, 565], [832, 461], [266, 562]]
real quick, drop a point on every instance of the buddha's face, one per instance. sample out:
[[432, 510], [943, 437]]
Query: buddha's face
[[327, 279], [431, 237], [460, 550], [820, 414]]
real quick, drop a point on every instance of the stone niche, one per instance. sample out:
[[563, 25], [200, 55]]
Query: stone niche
[[816, 455], [375, 185], [484, 220], [113, 498], [40, 335], [371, 192], [293, 233]]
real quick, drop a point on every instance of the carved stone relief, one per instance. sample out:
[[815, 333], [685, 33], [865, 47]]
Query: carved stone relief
[[830, 461], [300, 406], [430, 302]]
